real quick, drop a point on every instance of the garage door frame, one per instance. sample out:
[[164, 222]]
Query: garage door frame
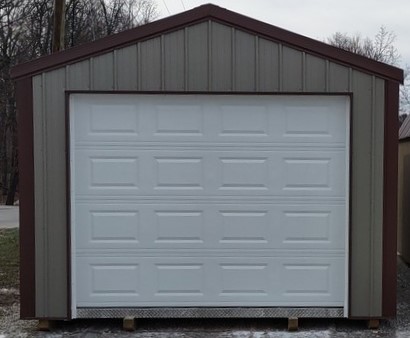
[[222, 312]]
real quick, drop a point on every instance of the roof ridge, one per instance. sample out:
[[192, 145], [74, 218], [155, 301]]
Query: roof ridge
[[200, 14]]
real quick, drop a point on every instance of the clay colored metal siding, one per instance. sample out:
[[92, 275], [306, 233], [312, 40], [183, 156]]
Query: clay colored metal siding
[[210, 57], [403, 222]]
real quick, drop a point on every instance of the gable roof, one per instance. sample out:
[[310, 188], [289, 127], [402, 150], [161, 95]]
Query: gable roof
[[201, 14], [404, 131]]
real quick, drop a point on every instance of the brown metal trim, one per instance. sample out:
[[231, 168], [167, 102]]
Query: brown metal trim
[[24, 99], [389, 278], [231, 93], [68, 191], [199, 14]]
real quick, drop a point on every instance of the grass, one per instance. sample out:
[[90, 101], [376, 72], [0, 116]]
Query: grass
[[9, 265]]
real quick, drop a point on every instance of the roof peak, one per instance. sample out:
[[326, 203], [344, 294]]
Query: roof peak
[[200, 14]]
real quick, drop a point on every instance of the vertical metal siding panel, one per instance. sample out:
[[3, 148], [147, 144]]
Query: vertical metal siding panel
[[150, 71], [221, 57], [361, 231], [268, 72], [292, 70], [126, 68], [198, 57], [79, 75], [338, 78], [245, 64], [404, 201], [377, 193], [103, 72], [174, 53], [56, 193], [40, 288], [315, 74]]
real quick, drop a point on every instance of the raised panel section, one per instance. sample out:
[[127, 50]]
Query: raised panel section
[[107, 281], [179, 227], [244, 173], [307, 121], [113, 119], [306, 279], [113, 172], [307, 173], [179, 280], [244, 227], [114, 279], [114, 226], [244, 280], [244, 121], [305, 226], [179, 173], [108, 226], [183, 120]]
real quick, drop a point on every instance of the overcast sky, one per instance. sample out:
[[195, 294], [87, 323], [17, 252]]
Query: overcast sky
[[319, 19]]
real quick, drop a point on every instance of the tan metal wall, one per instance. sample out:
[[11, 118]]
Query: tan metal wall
[[208, 57], [403, 201]]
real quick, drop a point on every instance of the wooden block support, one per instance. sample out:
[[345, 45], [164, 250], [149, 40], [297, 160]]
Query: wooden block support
[[45, 325], [293, 324], [128, 324], [373, 324]]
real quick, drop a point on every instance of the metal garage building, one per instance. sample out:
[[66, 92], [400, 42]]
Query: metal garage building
[[207, 164]]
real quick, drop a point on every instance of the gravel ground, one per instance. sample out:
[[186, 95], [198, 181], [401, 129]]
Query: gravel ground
[[10, 326]]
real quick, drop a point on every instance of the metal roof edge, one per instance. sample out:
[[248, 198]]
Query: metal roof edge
[[198, 14]]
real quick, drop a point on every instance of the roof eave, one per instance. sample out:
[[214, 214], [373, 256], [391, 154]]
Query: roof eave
[[203, 13]]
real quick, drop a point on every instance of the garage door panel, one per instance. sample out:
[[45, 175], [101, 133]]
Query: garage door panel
[[202, 226], [108, 279], [250, 119], [210, 172], [209, 200], [310, 280], [210, 281]]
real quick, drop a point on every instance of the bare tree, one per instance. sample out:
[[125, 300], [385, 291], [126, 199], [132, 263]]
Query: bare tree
[[26, 28], [381, 48], [405, 92]]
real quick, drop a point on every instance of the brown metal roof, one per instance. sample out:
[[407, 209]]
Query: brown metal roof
[[404, 131], [200, 14]]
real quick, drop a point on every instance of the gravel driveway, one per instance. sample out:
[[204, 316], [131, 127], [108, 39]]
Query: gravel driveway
[[10, 326], [9, 217]]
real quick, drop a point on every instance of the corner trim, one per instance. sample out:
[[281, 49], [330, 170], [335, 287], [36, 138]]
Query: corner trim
[[390, 177], [24, 99]]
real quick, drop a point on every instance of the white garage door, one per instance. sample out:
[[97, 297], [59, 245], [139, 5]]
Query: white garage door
[[209, 200]]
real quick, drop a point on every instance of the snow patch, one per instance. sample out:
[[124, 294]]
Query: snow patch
[[8, 291]]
